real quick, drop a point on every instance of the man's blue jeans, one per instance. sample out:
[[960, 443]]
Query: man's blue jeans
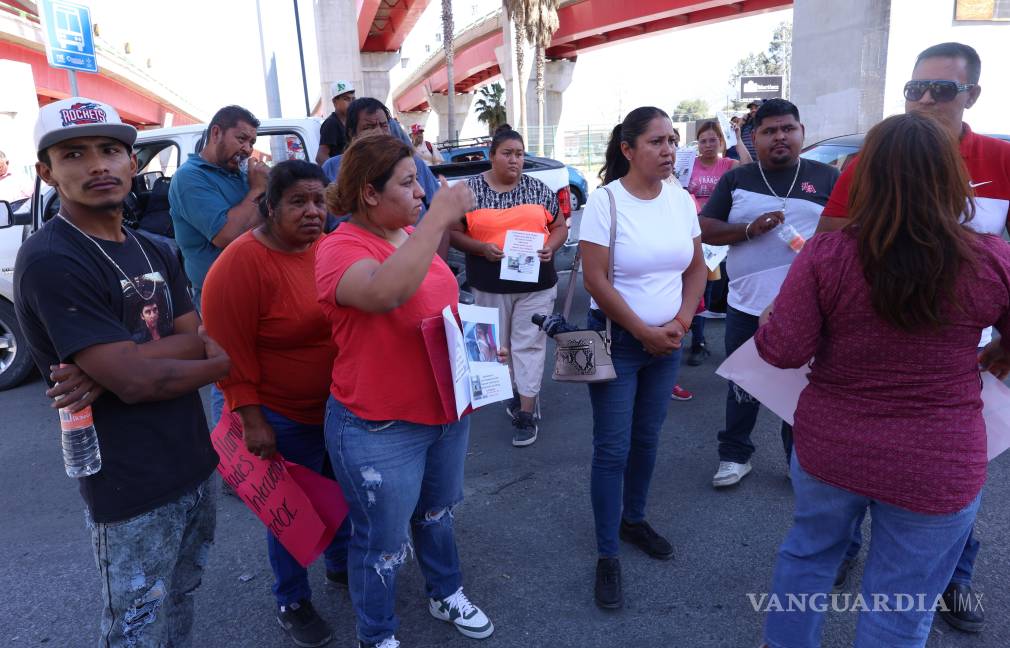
[[628, 414], [400, 479], [742, 408], [911, 554], [965, 564], [302, 444], [151, 566]]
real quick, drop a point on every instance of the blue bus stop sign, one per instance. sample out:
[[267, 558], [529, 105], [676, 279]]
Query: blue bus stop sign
[[69, 40]]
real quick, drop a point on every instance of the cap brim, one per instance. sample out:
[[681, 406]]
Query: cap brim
[[123, 132]]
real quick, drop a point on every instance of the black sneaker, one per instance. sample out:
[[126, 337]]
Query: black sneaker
[[336, 579], [608, 584], [842, 576], [961, 609], [513, 407], [306, 628], [525, 429], [645, 538], [697, 355]]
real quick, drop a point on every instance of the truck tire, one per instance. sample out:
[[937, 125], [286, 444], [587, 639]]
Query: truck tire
[[576, 197], [15, 361]]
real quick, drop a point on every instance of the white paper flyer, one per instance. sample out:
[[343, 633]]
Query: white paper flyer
[[478, 378], [521, 262], [779, 390], [727, 130], [714, 255], [683, 165]]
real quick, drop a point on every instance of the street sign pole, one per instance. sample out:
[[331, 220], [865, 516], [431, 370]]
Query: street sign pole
[[72, 75]]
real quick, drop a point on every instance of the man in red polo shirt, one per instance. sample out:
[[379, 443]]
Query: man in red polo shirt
[[944, 84]]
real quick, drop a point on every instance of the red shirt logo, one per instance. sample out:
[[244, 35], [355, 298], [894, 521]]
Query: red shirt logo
[[806, 187]]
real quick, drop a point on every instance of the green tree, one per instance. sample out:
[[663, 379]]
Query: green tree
[[690, 109], [489, 108], [774, 60]]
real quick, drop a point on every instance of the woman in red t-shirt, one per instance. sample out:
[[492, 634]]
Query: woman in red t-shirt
[[395, 452], [259, 303]]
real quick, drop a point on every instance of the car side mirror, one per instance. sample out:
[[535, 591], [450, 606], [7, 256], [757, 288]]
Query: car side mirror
[[6, 214]]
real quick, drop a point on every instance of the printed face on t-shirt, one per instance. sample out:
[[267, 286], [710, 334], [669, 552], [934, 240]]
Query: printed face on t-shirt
[[147, 305]]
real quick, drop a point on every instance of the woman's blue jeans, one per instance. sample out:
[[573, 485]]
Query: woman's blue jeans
[[401, 480], [302, 444], [910, 562], [628, 414]]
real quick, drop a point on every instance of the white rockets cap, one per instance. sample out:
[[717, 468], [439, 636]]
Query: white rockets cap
[[80, 117]]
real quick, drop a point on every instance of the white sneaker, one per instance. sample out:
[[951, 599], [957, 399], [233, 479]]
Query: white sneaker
[[730, 473], [389, 642], [467, 617]]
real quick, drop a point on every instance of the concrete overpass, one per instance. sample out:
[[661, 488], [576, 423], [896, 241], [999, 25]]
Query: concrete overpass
[[140, 98]]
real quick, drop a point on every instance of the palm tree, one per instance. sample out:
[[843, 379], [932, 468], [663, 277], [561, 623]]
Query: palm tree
[[447, 29], [541, 23], [515, 11], [489, 108]]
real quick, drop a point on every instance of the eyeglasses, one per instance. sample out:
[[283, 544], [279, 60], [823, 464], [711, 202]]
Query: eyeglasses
[[941, 91]]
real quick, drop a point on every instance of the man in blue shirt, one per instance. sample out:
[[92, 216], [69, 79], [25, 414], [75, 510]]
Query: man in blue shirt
[[212, 201], [366, 116]]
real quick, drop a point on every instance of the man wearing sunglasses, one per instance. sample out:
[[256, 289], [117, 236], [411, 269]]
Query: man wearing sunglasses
[[944, 84]]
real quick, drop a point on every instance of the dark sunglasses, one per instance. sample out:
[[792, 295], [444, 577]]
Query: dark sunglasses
[[941, 91]]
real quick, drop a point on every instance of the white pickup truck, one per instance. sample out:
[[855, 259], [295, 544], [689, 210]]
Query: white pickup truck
[[159, 153]]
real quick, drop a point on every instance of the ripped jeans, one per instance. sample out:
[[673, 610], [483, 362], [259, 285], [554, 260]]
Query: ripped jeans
[[401, 480], [151, 566]]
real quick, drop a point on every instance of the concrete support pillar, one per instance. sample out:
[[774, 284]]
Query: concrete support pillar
[[839, 94], [408, 119], [337, 44], [440, 104], [506, 57], [557, 78], [375, 67]]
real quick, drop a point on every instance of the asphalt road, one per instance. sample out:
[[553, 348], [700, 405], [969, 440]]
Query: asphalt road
[[525, 533]]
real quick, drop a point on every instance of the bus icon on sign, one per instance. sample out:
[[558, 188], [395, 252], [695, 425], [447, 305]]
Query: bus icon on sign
[[68, 27]]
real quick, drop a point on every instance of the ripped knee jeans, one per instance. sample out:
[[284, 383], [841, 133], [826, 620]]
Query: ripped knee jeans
[[402, 482], [151, 566]]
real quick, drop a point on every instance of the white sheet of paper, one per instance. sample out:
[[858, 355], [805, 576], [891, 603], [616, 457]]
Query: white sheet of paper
[[488, 381], [727, 129], [779, 390], [683, 165], [521, 262], [457, 360], [714, 255]]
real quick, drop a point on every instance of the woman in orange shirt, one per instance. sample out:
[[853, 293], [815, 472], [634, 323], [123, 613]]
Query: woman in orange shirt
[[259, 302], [508, 200]]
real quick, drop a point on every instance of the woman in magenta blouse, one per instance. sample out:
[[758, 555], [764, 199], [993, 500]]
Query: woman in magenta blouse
[[890, 311]]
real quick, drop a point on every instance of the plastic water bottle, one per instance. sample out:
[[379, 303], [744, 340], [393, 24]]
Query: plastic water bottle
[[81, 456], [791, 237]]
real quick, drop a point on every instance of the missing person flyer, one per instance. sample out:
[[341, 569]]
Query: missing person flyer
[[683, 165], [477, 375], [521, 262]]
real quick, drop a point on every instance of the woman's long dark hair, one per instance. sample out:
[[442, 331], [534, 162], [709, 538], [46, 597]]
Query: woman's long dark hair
[[909, 199], [616, 165]]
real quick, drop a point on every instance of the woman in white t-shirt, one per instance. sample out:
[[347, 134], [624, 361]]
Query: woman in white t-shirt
[[659, 276]]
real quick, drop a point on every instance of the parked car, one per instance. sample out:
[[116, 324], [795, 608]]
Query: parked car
[[839, 151], [578, 188], [159, 153]]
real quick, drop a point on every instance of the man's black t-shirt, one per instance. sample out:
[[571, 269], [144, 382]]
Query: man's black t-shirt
[[333, 134], [69, 297]]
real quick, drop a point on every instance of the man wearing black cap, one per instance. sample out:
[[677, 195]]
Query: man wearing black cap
[[81, 284]]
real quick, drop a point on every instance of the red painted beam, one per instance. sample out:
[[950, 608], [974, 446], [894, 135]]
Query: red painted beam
[[366, 14], [403, 15], [52, 84], [475, 58]]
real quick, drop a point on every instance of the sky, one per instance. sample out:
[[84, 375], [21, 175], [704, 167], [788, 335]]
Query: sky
[[209, 53]]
